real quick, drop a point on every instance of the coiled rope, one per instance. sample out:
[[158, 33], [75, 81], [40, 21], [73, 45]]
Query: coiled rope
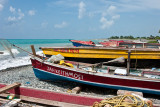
[[122, 101]]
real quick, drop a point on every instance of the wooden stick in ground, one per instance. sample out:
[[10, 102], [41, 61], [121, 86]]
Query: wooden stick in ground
[[33, 50], [9, 87], [128, 61]]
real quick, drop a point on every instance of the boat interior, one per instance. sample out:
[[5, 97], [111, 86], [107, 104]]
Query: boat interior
[[103, 69]]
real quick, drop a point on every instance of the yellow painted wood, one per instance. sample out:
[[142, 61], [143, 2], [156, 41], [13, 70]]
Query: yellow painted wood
[[103, 53]]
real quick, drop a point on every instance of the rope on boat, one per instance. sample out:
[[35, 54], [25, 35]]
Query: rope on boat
[[123, 101]]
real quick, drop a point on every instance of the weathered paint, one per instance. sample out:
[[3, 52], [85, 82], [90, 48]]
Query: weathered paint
[[79, 52], [55, 96], [103, 80]]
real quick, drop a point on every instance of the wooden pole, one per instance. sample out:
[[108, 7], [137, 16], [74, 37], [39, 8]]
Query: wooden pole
[[9, 87], [33, 50], [128, 61]]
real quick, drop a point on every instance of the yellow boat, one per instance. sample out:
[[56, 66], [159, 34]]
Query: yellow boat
[[102, 52]]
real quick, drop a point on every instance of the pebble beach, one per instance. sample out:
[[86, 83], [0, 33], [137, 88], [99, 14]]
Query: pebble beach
[[25, 75], [19, 69]]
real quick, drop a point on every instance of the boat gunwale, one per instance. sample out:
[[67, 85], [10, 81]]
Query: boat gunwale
[[84, 43], [113, 85], [104, 48], [97, 73]]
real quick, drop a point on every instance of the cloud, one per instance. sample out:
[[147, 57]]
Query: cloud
[[81, 10], [154, 4], [1, 7], [64, 3], [2, 3], [44, 24], [62, 25], [18, 15], [110, 13], [11, 9], [106, 23], [31, 12], [12, 18], [114, 17], [135, 5]]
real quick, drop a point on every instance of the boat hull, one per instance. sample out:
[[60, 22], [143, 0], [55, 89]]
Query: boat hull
[[56, 72], [80, 44], [102, 53]]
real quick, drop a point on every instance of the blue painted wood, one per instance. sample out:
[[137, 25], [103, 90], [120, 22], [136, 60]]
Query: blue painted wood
[[44, 75]]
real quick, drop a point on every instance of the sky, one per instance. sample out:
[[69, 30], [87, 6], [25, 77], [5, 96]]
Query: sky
[[78, 19]]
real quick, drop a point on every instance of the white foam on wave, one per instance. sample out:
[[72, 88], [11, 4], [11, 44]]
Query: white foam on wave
[[14, 62], [5, 52], [9, 62]]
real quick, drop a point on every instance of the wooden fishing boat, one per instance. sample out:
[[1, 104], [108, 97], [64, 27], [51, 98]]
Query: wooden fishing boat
[[45, 70], [102, 52], [78, 43], [140, 45], [130, 44], [23, 96], [46, 97], [111, 43]]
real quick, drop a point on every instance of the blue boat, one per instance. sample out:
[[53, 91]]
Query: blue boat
[[78, 43]]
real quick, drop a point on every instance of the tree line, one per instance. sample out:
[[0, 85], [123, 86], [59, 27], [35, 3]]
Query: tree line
[[132, 37]]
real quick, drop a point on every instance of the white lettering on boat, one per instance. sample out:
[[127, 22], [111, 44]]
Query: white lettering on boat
[[65, 73]]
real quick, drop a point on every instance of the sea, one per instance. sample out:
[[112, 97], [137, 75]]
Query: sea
[[22, 58]]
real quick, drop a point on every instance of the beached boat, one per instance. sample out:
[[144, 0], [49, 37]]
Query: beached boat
[[45, 97], [78, 43], [16, 96], [111, 43], [140, 45], [91, 75], [102, 52], [129, 44]]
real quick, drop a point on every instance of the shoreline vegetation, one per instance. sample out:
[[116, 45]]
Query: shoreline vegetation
[[149, 39]]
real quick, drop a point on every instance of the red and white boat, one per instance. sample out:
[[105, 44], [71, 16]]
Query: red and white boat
[[45, 70], [78, 43], [111, 43]]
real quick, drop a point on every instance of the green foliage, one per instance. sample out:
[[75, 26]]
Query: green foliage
[[114, 37], [152, 41], [151, 37]]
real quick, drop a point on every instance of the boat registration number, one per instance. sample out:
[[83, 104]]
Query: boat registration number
[[65, 73], [67, 50]]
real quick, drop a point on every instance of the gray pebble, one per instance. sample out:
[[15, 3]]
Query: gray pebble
[[26, 77]]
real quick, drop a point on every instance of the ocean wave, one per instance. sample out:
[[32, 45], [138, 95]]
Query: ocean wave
[[8, 62], [5, 52]]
